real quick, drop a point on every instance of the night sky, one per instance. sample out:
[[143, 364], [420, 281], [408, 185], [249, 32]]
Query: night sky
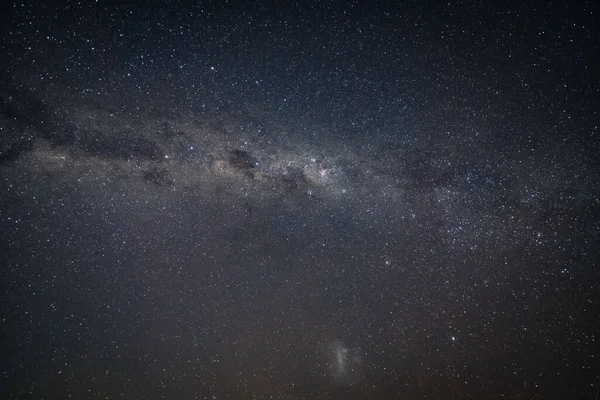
[[299, 200]]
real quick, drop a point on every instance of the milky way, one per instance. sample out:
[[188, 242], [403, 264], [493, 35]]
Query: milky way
[[320, 202]]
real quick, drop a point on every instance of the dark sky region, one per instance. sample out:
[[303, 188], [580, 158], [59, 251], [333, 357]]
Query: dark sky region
[[299, 200]]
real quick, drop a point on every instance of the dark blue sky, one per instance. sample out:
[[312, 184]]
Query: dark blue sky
[[299, 200]]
